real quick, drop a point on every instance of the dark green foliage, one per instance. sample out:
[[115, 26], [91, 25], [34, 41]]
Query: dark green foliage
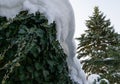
[[29, 51], [102, 45]]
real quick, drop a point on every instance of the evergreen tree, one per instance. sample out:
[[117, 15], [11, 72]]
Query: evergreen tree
[[100, 45]]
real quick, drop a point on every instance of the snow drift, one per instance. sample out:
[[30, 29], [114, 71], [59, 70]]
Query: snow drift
[[62, 13]]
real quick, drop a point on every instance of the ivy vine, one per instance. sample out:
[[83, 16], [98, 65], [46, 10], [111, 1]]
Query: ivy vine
[[29, 51]]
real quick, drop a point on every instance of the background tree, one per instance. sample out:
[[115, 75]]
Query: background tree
[[101, 46]]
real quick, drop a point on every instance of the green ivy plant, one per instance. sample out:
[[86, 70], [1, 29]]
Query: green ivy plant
[[29, 51]]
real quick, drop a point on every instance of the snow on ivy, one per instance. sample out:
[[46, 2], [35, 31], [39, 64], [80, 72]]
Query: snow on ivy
[[62, 13]]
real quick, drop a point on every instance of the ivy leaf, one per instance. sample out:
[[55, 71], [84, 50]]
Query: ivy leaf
[[38, 66], [39, 33], [22, 77], [35, 50], [29, 69], [51, 64], [45, 74], [36, 74], [22, 31]]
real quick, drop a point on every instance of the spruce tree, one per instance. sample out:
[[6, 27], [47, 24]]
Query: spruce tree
[[100, 46]]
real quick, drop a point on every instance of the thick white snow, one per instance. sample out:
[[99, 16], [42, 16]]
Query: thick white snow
[[105, 80], [59, 11], [93, 79], [96, 79]]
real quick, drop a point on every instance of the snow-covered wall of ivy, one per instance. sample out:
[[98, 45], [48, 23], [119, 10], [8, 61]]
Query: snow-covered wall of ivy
[[62, 13]]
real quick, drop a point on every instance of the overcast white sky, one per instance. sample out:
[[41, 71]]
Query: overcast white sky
[[84, 8]]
